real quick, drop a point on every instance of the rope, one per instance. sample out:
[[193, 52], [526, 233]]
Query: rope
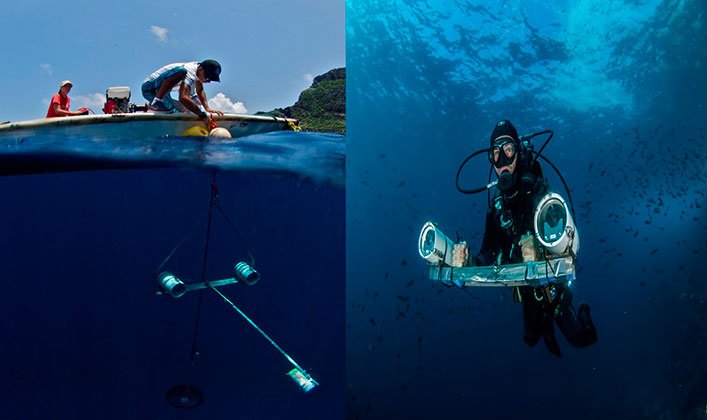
[[214, 195], [238, 234], [213, 202], [181, 241]]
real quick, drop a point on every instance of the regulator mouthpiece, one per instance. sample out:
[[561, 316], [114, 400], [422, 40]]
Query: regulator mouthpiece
[[169, 284], [505, 181], [246, 273], [303, 379], [434, 245]]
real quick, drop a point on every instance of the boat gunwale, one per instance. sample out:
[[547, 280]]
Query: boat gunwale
[[133, 117]]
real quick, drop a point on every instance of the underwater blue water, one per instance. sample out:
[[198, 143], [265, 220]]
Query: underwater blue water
[[86, 337], [622, 84], [318, 156]]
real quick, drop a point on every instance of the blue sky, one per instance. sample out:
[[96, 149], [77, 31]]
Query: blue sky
[[269, 49]]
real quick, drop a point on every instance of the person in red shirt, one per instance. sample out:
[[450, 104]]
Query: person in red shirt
[[59, 105]]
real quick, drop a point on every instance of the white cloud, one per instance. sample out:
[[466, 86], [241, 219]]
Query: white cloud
[[47, 69], [159, 32], [93, 101], [308, 77], [223, 103]]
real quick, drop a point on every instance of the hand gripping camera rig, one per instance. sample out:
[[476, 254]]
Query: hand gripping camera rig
[[554, 230]]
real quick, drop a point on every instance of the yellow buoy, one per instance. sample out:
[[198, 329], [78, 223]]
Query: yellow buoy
[[196, 131]]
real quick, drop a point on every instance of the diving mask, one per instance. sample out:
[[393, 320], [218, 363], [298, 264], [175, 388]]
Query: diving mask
[[502, 152]]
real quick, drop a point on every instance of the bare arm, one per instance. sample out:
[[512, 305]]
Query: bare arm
[[202, 97], [188, 102], [60, 112]]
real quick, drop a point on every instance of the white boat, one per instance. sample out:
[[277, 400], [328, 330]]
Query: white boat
[[137, 125]]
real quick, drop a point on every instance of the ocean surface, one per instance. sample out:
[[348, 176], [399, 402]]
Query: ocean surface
[[86, 337], [318, 156], [622, 85]]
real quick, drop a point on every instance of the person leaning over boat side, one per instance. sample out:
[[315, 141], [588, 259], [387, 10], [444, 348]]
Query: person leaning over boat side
[[190, 77], [507, 240], [59, 105]]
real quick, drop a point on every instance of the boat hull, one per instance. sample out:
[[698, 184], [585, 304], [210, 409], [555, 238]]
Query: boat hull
[[142, 125]]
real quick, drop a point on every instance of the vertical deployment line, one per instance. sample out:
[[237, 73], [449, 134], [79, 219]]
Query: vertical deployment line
[[192, 357]]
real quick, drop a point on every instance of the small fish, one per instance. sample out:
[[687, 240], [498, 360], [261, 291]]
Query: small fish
[[643, 283], [372, 321], [410, 283], [404, 262], [403, 298], [401, 184], [654, 251]]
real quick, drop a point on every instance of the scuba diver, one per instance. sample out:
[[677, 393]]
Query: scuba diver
[[508, 239]]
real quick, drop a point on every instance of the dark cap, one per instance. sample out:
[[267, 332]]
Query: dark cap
[[212, 69], [505, 128]]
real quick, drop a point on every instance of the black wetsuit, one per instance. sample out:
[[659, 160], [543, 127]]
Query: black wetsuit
[[509, 217]]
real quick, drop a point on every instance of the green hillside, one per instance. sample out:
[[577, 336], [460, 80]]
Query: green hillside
[[321, 107]]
